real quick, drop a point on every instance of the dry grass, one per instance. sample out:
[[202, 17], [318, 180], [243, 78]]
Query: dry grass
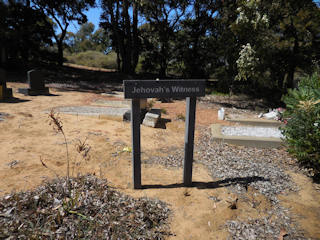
[[56, 123]]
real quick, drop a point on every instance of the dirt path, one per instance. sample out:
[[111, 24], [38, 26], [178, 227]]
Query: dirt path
[[26, 136]]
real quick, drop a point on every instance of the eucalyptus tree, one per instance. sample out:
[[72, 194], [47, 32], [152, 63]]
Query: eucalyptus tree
[[101, 41], [62, 13], [274, 39], [163, 18], [23, 32], [196, 42], [82, 38], [120, 18], [298, 36]]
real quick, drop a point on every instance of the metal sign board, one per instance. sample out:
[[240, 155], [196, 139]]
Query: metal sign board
[[163, 88]]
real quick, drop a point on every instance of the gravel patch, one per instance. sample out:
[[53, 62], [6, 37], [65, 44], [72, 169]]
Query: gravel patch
[[240, 167], [249, 164], [251, 131], [174, 159], [265, 228], [261, 169]]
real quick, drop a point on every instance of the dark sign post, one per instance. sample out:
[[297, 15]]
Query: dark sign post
[[136, 152], [136, 89], [189, 139]]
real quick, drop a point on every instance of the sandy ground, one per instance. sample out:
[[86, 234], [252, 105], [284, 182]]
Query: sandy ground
[[26, 136]]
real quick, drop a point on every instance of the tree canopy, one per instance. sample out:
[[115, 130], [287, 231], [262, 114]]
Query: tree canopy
[[62, 13], [244, 44]]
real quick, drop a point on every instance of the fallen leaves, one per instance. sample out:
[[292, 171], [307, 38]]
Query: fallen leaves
[[91, 210]]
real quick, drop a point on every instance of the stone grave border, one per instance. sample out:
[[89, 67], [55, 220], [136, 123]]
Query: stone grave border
[[139, 89]]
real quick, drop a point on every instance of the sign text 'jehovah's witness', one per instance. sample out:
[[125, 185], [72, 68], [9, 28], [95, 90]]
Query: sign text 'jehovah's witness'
[[163, 88]]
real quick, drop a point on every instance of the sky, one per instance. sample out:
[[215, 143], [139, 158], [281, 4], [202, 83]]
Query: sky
[[93, 16]]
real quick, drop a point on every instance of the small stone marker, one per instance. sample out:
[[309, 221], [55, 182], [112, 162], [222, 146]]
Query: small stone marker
[[137, 89], [4, 91], [36, 83], [151, 119], [155, 111]]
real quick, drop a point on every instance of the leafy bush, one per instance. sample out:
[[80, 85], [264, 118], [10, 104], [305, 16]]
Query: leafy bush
[[302, 130], [94, 59]]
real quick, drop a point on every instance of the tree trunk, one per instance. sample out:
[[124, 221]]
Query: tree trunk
[[290, 79], [3, 57], [293, 58], [118, 59], [127, 59], [135, 43], [163, 58], [60, 44], [126, 64], [292, 66], [60, 52], [162, 72]]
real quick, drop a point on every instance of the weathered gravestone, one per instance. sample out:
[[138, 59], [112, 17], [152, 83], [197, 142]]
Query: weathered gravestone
[[36, 83], [137, 89], [152, 118], [4, 91]]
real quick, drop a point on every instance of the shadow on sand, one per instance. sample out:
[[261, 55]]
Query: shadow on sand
[[14, 100], [211, 185]]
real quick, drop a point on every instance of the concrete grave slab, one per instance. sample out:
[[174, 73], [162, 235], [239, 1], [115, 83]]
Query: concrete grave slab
[[249, 141], [93, 111], [113, 103], [119, 103], [257, 122], [116, 94]]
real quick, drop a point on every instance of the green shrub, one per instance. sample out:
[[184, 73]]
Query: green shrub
[[94, 59], [302, 131], [163, 110], [181, 117]]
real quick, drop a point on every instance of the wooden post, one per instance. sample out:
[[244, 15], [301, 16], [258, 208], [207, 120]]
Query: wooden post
[[136, 155], [189, 140]]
